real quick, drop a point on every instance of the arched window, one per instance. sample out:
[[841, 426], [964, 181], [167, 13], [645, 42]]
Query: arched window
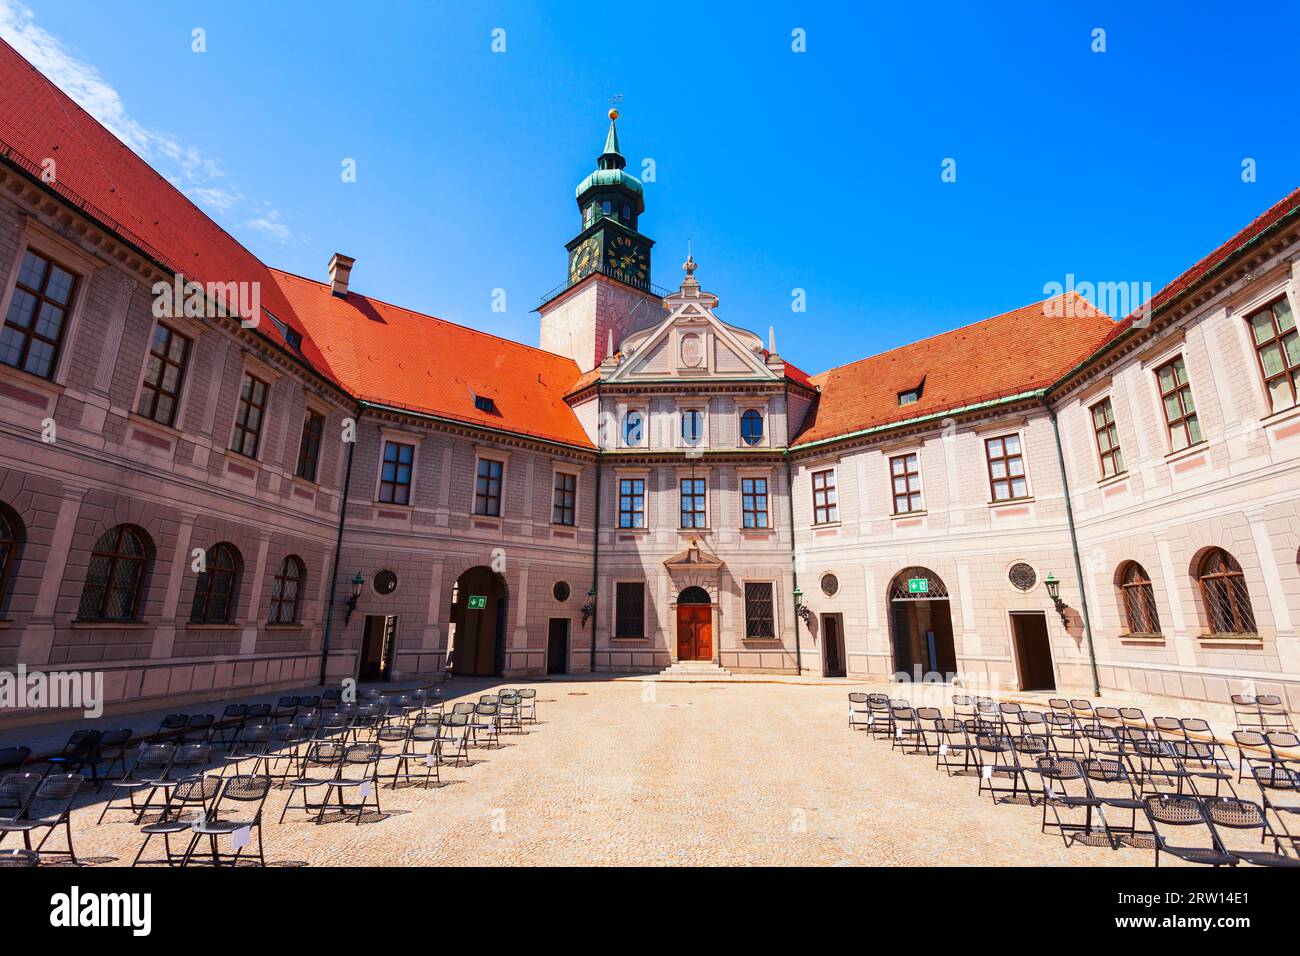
[[286, 593], [632, 429], [214, 594], [115, 579], [1223, 589], [751, 427], [1139, 600], [11, 541], [694, 595]]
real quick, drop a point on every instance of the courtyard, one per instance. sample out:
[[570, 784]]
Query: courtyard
[[631, 772]]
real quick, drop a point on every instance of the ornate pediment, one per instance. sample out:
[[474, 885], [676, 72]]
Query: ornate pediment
[[692, 344], [694, 560]]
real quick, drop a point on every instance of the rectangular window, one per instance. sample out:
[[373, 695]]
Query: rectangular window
[[631, 503], [566, 493], [629, 609], [693, 513], [825, 502], [169, 353], [758, 610], [905, 478], [249, 415], [487, 491], [1007, 478], [395, 476], [753, 502], [1180, 409], [313, 427], [34, 327], [1103, 426], [1278, 344]]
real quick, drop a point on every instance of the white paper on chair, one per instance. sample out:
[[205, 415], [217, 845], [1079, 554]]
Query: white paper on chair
[[871, 720], [198, 821], [1051, 794], [431, 760], [239, 839], [898, 733], [943, 750], [366, 789], [987, 773]]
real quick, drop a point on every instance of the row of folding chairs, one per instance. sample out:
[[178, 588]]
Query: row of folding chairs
[[1076, 761]]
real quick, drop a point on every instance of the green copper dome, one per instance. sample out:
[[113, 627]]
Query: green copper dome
[[610, 171], [611, 177]]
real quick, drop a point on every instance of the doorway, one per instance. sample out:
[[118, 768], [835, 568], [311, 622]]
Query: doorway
[[557, 646], [1033, 650], [378, 637], [834, 663], [921, 624], [478, 623], [694, 625]]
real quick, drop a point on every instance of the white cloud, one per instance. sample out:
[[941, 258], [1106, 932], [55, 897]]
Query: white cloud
[[198, 176]]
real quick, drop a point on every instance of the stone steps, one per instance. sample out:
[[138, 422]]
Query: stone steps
[[695, 669]]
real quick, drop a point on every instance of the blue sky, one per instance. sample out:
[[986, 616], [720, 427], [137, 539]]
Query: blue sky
[[817, 170]]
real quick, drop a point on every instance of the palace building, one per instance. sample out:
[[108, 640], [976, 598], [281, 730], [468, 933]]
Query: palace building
[[199, 503]]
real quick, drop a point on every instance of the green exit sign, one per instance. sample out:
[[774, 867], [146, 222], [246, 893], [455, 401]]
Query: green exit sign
[[477, 602], [918, 585]]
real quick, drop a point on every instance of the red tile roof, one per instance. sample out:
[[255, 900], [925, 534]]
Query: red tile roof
[[385, 354], [1018, 351], [101, 176]]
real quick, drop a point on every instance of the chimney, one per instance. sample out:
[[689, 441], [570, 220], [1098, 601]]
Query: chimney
[[340, 270]]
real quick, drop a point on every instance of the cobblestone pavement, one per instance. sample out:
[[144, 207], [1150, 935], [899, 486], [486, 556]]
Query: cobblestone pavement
[[638, 773]]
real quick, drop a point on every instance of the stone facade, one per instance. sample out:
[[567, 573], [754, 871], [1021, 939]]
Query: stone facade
[[607, 572]]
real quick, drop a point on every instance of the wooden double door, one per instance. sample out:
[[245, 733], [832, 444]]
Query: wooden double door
[[694, 632]]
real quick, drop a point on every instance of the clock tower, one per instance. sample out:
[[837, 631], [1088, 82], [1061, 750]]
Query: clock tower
[[607, 291]]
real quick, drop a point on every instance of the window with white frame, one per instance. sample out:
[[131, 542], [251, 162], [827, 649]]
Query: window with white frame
[[826, 509], [1006, 464]]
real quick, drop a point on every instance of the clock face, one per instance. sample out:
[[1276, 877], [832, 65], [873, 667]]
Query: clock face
[[585, 259], [627, 260]]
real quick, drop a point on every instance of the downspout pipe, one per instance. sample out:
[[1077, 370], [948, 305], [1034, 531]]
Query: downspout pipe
[[1074, 549], [338, 546], [595, 544]]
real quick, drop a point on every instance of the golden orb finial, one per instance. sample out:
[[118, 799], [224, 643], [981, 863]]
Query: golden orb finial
[[613, 114]]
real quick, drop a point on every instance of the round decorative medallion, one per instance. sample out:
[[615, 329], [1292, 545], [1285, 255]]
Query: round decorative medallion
[[692, 350], [561, 591], [1022, 576], [385, 582], [830, 585]]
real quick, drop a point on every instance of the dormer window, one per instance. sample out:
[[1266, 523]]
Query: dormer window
[[290, 336], [485, 404], [912, 395]]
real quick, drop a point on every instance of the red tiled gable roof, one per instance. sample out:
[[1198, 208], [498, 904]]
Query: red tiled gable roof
[[103, 178], [1262, 223], [388, 355], [1019, 351]]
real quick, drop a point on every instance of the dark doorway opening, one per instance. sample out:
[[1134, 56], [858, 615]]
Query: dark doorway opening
[[478, 623], [833, 646], [378, 638], [557, 646], [921, 624], [1033, 650]]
